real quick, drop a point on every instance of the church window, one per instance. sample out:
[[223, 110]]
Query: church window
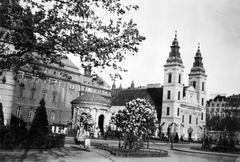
[[182, 118], [179, 95], [202, 101], [190, 119], [168, 111], [203, 86], [196, 120], [201, 116], [179, 78], [168, 94], [169, 78], [19, 111], [178, 111], [194, 84]]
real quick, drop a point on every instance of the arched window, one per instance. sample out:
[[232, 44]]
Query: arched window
[[178, 111], [179, 78], [202, 101], [201, 116], [194, 84], [19, 111], [203, 86], [179, 95], [196, 120], [182, 118], [169, 77], [168, 111], [168, 94], [190, 119]]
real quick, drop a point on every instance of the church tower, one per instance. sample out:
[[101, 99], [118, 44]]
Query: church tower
[[197, 78], [173, 85]]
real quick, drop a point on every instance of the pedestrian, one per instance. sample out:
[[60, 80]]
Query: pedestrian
[[96, 132], [81, 134]]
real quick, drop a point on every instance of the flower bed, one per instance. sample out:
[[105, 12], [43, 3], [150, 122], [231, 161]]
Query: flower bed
[[132, 152]]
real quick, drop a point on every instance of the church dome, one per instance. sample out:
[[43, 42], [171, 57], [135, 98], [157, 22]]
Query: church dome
[[171, 60], [196, 69], [91, 98]]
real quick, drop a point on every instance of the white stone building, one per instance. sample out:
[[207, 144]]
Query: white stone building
[[183, 107]]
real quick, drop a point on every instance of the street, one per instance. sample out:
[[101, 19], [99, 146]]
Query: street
[[72, 153]]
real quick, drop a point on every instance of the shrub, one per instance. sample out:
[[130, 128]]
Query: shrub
[[39, 126]]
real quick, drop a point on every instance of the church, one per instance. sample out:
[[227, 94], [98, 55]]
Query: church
[[182, 108]]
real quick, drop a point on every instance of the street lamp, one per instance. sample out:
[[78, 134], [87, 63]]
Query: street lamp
[[204, 127]]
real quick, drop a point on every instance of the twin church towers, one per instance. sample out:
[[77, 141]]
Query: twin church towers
[[184, 106]]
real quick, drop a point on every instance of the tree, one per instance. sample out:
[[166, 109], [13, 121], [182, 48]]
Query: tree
[[135, 121], [229, 124], [39, 126], [36, 32], [87, 120], [213, 123]]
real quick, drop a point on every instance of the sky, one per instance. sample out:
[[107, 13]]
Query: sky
[[215, 24]]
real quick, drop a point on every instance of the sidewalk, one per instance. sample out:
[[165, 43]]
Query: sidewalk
[[71, 153]]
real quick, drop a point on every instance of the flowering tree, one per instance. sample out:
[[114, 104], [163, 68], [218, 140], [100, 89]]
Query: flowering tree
[[87, 120], [135, 120]]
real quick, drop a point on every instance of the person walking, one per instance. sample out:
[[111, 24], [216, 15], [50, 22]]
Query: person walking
[[81, 134]]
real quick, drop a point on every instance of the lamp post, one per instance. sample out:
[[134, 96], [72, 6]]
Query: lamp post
[[204, 127]]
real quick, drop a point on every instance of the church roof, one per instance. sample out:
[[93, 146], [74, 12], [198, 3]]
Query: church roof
[[153, 95], [91, 98], [174, 54]]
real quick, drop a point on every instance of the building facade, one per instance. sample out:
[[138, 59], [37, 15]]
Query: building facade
[[183, 107], [232, 106], [216, 106], [64, 84]]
